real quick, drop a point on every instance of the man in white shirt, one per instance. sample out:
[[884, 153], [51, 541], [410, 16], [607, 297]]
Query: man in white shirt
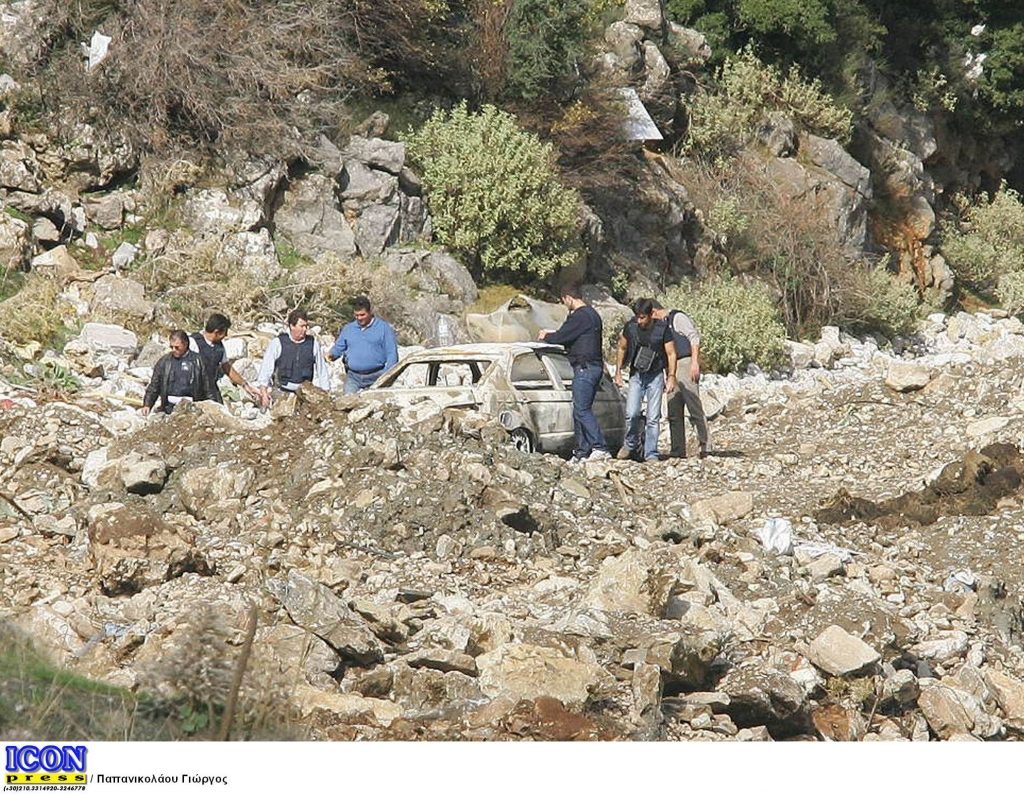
[[292, 359], [687, 395]]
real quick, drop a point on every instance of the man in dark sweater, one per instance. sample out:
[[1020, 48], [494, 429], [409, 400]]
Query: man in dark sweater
[[178, 376], [209, 344], [580, 335]]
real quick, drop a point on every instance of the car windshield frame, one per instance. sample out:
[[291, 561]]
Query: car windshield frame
[[478, 366]]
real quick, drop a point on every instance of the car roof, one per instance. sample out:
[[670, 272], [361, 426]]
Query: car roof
[[486, 350]]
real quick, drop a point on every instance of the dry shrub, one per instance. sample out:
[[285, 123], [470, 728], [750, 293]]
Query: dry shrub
[[193, 279], [248, 73], [594, 155], [35, 313], [327, 287], [489, 45], [792, 244]]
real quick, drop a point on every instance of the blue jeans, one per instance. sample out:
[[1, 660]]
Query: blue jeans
[[644, 388], [586, 380], [355, 382]]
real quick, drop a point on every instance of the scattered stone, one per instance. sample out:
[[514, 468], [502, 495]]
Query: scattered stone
[[906, 376], [725, 508], [838, 652]]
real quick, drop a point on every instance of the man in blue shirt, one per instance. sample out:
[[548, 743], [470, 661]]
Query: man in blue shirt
[[367, 345]]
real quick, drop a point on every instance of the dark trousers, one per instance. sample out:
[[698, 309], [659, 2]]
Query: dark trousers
[[586, 380]]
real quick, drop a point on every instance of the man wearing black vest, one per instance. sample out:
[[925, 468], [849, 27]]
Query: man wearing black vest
[[292, 359], [646, 346], [177, 376], [687, 342], [209, 344], [580, 335]]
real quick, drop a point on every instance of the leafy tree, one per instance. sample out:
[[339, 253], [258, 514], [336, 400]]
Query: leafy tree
[[545, 40], [494, 194]]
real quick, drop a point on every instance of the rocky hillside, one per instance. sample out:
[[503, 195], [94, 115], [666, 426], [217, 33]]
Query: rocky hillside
[[843, 567], [386, 573]]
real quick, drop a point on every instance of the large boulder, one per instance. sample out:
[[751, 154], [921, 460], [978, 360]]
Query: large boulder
[[520, 671], [376, 153], [15, 243], [313, 607], [378, 227], [114, 297], [818, 191], [216, 211], [436, 271], [92, 158], [132, 549], [906, 376], [838, 652], [762, 695], [624, 39], [209, 491], [18, 168], [312, 220], [103, 338], [254, 254], [645, 14], [632, 582]]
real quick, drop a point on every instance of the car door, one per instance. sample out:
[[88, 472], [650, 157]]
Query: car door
[[609, 405], [543, 400]]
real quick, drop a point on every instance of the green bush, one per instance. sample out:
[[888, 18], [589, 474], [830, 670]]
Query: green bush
[[723, 122], [738, 321], [1010, 291], [873, 300], [990, 241], [494, 195], [544, 40]]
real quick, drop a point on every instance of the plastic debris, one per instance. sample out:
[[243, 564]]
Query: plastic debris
[[777, 535]]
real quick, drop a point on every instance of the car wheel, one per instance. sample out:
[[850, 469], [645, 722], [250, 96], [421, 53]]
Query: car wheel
[[522, 440]]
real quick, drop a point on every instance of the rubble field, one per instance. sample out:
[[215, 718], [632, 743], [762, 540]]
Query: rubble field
[[842, 567]]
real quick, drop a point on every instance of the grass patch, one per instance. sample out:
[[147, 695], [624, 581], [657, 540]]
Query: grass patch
[[288, 256], [38, 699], [35, 313], [10, 282], [24, 217]]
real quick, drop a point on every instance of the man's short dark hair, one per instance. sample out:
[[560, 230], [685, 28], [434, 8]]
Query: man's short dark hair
[[571, 290], [217, 322], [297, 314], [361, 303], [643, 307], [177, 335]]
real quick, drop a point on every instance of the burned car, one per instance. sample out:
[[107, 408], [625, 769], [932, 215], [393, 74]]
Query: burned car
[[525, 386]]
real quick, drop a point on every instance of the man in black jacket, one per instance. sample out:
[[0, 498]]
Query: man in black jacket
[[580, 335], [179, 375]]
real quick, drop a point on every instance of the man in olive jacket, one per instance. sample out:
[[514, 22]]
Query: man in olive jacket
[[177, 376]]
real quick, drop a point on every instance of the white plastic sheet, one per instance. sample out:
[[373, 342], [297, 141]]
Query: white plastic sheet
[[776, 536], [99, 48]]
